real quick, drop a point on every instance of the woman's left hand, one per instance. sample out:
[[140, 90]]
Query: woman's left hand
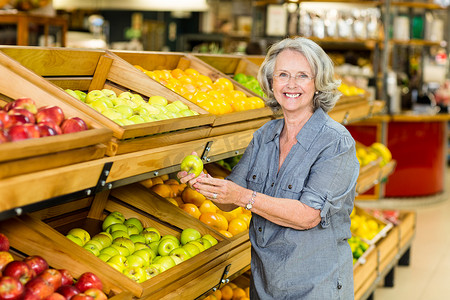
[[218, 190]]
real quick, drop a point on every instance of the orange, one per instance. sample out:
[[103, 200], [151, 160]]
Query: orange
[[226, 233], [191, 196], [171, 181], [157, 180], [191, 72], [247, 291], [163, 190], [147, 183], [191, 209], [173, 201], [218, 294], [177, 73], [229, 215], [176, 189], [223, 84], [245, 217], [244, 298], [207, 206], [204, 87], [179, 201], [164, 177], [151, 74], [227, 292], [204, 79], [237, 226], [238, 293], [214, 220]]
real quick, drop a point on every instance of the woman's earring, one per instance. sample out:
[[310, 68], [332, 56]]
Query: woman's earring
[[316, 92]]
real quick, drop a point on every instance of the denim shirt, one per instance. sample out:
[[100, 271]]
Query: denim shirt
[[320, 171]]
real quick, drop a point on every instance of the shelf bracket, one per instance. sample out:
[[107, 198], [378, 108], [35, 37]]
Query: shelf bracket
[[101, 183], [204, 155]]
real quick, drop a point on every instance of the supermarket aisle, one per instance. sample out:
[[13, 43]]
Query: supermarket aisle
[[428, 275]]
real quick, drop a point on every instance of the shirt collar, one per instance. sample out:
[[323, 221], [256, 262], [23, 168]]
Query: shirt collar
[[309, 131]]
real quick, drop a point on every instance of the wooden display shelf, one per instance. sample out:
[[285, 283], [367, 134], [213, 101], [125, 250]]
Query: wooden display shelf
[[33, 155], [159, 61], [365, 271], [94, 70]]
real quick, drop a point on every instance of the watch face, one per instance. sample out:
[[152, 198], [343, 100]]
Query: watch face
[[248, 206]]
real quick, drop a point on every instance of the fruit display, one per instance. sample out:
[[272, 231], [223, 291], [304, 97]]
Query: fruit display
[[192, 202], [33, 278], [137, 252], [358, 247], [129, 108], [376, 150], [350, 90], [364, 225], [22, 119], [231, 291], [250, 82], [217, 97]]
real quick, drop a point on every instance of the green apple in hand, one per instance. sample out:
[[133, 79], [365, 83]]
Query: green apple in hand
[[192, 164], [189, 234]]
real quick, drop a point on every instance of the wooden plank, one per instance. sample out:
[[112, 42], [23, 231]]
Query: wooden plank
[[98, 205], [239, 126], [101, 73], [61, 209], [365, 268]]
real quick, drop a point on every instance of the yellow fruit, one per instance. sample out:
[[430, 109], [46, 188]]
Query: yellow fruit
[[238, 293], [227, 292], [191, 196], [208, 206], [163, 190], [148, 183], [237, 225], [191, 209], [382, 151]]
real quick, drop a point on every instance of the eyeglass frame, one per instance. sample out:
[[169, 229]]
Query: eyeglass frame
[[297, 79]]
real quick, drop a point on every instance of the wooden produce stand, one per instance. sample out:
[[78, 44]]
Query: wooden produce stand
[[82, 193]]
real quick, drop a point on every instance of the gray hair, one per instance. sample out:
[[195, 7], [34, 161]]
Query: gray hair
[[320, 63]]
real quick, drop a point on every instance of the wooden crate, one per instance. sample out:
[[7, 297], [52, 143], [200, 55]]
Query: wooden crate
[[32, 155], [365, 271], [30, 235], [387, 249], [89, 70], [386, 226], [160, 60], [407, 227], [230, 64], [369, 175]]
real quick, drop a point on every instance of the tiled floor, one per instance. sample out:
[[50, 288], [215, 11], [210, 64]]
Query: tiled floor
[[428, 275]]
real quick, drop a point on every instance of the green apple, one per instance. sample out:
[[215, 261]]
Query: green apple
[[124, 242], [140, 245], [116, 227], [147, 254], [111, 251], [81, 95], [118, 262], [189, 234], [104, 257], [126, 95], [151, 236], [124, 122], [121, 249], [92, 248], [119, 101], [135, 273], [180, 105], [137, 238], [136, 119], [211, 239], [132, 229], [134, 260], [151, 271], [119, 233], [154, 246], [112, 114], [136, 98], [166, 245], [81, 233], [205, 242], [99, 105], [176, 259], [104, 238], [93, 95], [192, 249], [109, 93], [187, 113], [172, 237], [198, 244], [72, 93], [112, 219], [166, 262], [160, 117], [192, 164], [124, 110], [158, 100], [136, 222], [119, 268], [97, 244], [172, 107], [75, 239], [181, 253]]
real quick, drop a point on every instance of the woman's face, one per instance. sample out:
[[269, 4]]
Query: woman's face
[[293, 81]]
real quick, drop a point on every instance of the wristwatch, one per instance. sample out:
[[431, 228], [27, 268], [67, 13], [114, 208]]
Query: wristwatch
[[250, 203]]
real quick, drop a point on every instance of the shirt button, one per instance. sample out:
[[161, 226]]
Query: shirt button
[[259, 229], [290, 186], [254, 176], [272, 184], [339, 286]]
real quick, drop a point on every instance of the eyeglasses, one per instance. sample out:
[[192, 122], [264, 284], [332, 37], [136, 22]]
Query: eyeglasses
[[284, 77]]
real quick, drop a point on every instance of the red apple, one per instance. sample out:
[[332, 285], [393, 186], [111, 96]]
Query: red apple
[[68, 291], [37, 263], [29, 295], [8, 106], [23, 102], [50, 113], [10, 288], [55, 296], [73, 124], [88, 280], [4, 137], [18, 119], [19, 270], [6, 119], [66, 277], [4, 242], [52, 125], [82, 296], [53, 277], [33, 131], [23, 111], [45, 130], [18, 132], [5, 258], [39, 287], [96, 294]]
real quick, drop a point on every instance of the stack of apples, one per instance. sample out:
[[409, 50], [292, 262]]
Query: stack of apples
[[33, 279], [140, 252], [217, 97], [21, 119], [130, 108]]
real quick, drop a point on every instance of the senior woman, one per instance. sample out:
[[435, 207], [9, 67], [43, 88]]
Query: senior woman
[[298, 177]]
